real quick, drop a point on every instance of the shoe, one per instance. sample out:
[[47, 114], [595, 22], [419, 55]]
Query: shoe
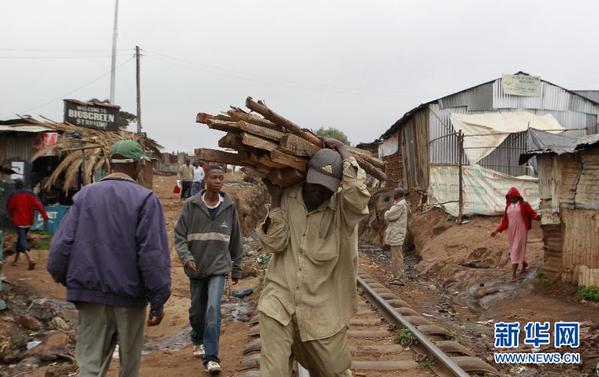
[[212, 367], [31, 265], [198, 351]]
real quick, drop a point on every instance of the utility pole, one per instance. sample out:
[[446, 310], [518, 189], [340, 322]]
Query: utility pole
[[137, 84], [461, 177], [113, 63]]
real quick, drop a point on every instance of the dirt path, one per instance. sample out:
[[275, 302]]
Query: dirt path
[[171, 349]]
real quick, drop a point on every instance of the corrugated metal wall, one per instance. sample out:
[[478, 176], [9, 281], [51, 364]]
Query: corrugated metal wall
[[443, 149], [413, 142], [571, 111], [16, 146], [505, 158]]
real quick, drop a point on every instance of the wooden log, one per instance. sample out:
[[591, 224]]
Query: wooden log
[[268, 162], [249, 158], [371, 169], [297, 146], [231, 140], [262, 109], [223, 125], [258, 142], [213, 155], [253, 172], [266, 133], [205, 117], [237, 114], [285, 177], [291, 161]]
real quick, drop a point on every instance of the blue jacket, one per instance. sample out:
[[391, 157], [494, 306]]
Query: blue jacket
[[112, 248]]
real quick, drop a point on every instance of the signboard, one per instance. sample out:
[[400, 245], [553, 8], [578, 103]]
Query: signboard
[[91, 115], [521, 85]]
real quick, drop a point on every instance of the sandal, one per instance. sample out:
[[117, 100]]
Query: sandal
[[31, 266]]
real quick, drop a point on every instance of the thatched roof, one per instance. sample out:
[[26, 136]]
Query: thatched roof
[[84, 148]]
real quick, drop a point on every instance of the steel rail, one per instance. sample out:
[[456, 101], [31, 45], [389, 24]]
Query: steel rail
[[422, 339]]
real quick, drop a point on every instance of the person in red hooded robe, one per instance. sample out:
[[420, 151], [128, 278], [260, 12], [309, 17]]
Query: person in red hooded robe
[[517, 220]]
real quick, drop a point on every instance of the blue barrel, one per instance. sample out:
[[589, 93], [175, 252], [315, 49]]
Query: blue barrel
[[55, 215]]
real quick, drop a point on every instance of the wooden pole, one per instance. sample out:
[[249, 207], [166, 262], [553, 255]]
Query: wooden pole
[[137, 84], [460, 177]]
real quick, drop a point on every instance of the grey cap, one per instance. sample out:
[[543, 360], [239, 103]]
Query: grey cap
[[326, 169]]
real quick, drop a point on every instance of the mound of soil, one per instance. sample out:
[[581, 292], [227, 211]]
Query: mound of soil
[[461, 256]]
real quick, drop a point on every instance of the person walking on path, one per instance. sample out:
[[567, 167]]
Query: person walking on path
[[517, 220], [185, 175], [396, 219], [208, 242], [111, 252], [198, 178], [309, 290], [21, 207]]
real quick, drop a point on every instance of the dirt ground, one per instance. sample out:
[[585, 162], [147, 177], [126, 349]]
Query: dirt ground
[[456, 274], [461, 276], [167, 351]]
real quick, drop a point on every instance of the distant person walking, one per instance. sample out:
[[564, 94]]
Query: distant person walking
[[185, 175], [396, 219], [517, 220], [309, 292], [198, 178], [208, 242], [21, 207], [111, 252]]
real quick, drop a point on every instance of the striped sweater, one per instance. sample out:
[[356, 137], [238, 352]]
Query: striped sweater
[[213, 242]]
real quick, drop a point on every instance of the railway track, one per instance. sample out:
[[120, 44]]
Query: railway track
[[372, 335]]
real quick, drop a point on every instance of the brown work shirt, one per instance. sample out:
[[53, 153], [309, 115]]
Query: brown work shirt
[[312, 273], [185, 173]]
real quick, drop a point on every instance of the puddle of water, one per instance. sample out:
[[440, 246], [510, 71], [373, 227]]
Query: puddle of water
[[237, 309]]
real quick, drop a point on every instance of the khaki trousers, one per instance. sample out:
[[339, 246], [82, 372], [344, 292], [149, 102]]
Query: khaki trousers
[[397, 261], [99, 326], [330, 357]]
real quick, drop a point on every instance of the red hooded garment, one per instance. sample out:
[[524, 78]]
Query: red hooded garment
[[528, 214]]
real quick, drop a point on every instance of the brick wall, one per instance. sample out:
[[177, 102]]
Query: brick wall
[[394, 170]]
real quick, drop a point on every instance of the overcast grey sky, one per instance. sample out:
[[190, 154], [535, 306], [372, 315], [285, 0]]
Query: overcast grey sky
[[354, 65]]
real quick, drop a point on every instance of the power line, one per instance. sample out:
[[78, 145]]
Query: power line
[[266, 80], [59, 51], [74, 90], [57, 57]]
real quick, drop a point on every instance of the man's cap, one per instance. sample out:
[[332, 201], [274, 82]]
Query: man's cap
[[128, 151], [326, 169]]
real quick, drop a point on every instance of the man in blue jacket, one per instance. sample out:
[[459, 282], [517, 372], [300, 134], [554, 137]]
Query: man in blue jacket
[[111, 252]]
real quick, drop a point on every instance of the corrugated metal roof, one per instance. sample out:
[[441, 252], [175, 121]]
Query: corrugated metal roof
[[541, 142], [476, 98], [24, 128]]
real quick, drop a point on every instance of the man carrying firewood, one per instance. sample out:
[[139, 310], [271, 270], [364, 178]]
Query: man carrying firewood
[[309, 291]]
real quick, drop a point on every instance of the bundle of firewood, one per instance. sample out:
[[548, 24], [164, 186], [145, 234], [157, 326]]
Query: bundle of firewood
[[270, 146]]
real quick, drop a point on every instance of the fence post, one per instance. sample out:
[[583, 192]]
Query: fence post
[[460, 177]]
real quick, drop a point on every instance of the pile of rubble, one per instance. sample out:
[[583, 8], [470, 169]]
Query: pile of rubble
[[37, 335]]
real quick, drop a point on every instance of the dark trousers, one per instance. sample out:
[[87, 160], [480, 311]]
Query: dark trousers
[[204, 313], [185, 189], [22, 244]]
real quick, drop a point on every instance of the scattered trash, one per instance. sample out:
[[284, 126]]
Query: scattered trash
[[33, 344], [242, 293]]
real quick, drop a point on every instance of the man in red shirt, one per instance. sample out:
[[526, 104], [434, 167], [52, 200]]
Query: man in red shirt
[[21, 207]]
